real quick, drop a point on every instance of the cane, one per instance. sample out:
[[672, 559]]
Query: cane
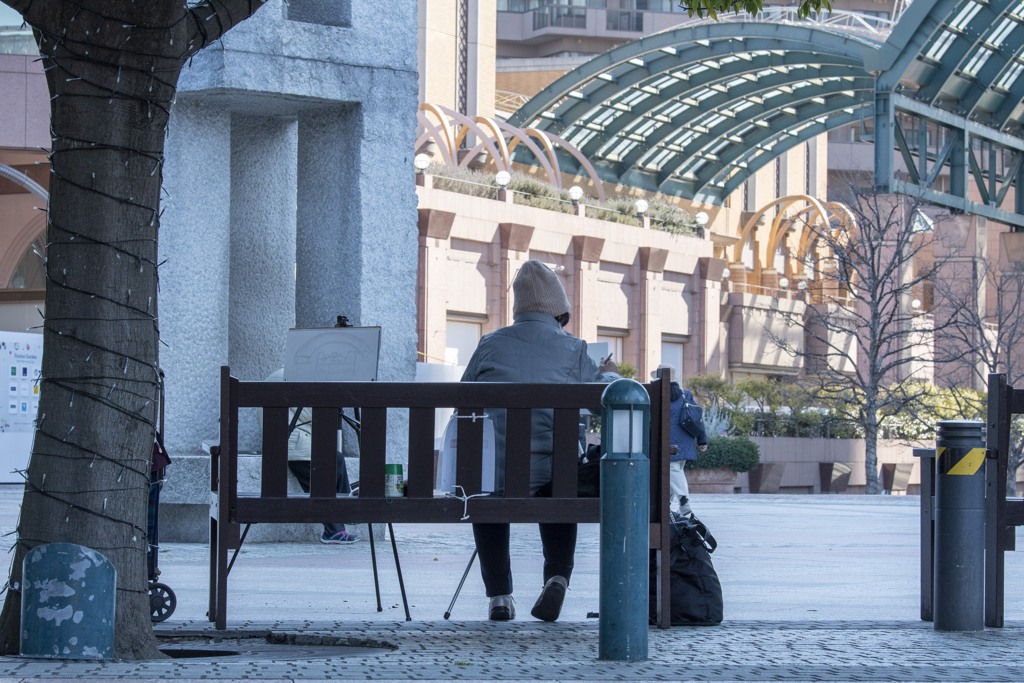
[[459, 589]]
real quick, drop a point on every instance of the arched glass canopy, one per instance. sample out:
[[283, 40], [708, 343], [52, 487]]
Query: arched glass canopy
[[694, 111]]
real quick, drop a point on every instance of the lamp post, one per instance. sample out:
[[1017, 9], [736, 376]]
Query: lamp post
[[625, 516], [641, 212], [702, 219], [576, 194], [420, 162], [502, 178]]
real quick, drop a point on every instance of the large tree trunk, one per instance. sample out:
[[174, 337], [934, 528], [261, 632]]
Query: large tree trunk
[[112, 67]]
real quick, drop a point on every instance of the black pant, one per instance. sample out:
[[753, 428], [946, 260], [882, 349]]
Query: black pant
[[558, 540], [300, 468]]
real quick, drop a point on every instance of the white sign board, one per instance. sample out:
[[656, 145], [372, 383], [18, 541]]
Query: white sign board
[[332, 354], [21, 360]]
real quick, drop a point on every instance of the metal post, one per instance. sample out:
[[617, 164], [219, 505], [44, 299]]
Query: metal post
[[625, 521], [927, 456], [959, 597]]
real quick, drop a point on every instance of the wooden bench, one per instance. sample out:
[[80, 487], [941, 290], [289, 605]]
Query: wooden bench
[[230, 510]]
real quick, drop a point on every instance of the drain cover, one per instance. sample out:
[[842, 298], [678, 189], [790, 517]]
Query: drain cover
[[275, 646]]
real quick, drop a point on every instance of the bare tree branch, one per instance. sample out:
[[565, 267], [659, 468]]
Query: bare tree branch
[[861, 333], [211, 19]]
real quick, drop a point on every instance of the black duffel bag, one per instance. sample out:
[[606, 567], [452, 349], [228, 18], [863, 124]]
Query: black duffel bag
[[696, 592]]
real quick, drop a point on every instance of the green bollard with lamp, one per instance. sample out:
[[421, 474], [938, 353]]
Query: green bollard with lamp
[[625, 519]]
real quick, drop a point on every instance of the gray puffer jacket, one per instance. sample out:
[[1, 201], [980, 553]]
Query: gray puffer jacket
[[534, 349]]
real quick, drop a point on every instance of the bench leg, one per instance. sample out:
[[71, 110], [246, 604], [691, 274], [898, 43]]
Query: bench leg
[[218, 575], [398, 568], [373, 563], [211, 612]]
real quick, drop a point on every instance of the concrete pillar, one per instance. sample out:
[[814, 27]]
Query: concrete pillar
[[652, 269], [435, 226], [514, 243], [586, 252], [382, 278], [327, 218], [706, 316], [195, 237], [262, 279]]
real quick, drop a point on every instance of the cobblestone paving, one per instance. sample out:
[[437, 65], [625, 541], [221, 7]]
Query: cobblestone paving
[[817, 588], [528, 650]]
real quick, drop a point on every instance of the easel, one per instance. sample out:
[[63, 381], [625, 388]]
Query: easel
[[315, 355]]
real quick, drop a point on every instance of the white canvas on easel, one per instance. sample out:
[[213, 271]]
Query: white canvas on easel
[[332, 354], [598, 351]]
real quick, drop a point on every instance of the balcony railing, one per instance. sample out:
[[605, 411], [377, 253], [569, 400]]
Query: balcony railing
[[559, 16], [619, 20]]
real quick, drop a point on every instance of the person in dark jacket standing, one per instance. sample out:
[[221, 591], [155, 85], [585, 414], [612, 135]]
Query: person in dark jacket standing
[[534, 348], [683, 445]]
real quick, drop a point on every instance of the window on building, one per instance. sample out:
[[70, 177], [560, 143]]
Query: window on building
[[672, 354], [462, 337], [615, 344], [747, 255]]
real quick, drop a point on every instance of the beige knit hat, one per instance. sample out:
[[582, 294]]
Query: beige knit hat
[[537, 289], [671, 372]]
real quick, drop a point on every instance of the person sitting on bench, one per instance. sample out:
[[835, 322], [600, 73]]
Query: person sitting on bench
[[534, 348]]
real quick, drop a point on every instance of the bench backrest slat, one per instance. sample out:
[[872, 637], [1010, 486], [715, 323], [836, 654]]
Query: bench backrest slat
[[517, 452], [565, 439], [274, 468], [468, 463], [373, 439], [421, 454], [323, 465]]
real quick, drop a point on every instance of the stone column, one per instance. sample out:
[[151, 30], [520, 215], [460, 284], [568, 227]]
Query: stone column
[[357, 229], [263, 181], [652, 268], [586, 267], [514, 242], [706, 316], [431, 316], [195, 238]]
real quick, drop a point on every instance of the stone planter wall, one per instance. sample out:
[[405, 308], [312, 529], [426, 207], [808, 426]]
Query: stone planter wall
[[716, 480]]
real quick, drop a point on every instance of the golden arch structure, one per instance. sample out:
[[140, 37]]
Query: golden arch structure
[[498, 140], [794, 235]]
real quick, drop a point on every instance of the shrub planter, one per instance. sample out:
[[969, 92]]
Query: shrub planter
[[713, 480], [714, 470]]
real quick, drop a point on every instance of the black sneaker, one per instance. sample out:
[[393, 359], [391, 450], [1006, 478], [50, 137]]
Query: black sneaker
[[549, 604]]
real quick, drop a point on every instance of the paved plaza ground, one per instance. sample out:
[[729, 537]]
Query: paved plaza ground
[[817, 588]]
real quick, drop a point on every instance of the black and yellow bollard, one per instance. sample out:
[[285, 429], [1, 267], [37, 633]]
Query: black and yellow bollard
[[959, 587]]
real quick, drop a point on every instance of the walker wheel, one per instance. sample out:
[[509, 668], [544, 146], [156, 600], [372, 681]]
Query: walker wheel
[[162, 601]]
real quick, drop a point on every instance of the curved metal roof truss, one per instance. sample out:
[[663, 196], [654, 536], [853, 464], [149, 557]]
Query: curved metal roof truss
[[694, 111], [691, 110]]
